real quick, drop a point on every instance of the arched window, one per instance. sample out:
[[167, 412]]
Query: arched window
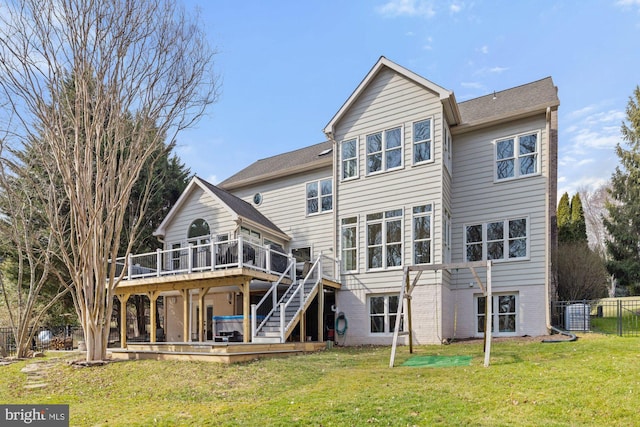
[[198, 228]]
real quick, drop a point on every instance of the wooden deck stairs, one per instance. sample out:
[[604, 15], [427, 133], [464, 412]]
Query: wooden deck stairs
[[286, 313]]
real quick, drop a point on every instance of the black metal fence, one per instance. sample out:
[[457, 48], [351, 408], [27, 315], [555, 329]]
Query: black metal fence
[[45, 338], [619, 316]]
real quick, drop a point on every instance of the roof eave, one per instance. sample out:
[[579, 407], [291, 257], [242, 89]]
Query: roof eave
[[317, 164], [451, 110], [513, 115], [444, 94], [263, 228], [161, 230]]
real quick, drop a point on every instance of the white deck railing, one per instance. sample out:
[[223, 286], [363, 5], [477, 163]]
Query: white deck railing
[[204, 257]]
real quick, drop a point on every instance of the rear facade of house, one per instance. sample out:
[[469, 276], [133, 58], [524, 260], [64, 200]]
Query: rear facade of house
[[407, 176]]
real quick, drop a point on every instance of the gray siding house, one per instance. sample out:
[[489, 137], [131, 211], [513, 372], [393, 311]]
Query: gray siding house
[[407, 176]]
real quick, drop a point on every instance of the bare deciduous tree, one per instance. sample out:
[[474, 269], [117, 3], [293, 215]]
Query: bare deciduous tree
[[103, 85], [594, 205], [33, 251], [581, 272]]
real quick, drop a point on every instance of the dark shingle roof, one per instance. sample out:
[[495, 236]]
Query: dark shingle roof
[[297, 160], [534, 95], [241, 207]]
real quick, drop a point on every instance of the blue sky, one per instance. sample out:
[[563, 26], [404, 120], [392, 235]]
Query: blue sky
[[287, 66]]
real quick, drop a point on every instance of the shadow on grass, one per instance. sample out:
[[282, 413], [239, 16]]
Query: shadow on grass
[[504, 358]]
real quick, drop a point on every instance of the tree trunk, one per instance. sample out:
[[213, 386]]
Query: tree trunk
[[96, 338], [139, 301]]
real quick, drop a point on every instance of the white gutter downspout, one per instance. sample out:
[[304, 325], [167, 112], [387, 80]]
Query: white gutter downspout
[[336, 255], [548, 225]]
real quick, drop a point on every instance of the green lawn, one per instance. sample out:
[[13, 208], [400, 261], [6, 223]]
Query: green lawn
[[593, 381]]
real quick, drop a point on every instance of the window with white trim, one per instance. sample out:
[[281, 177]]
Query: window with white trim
[[349, 153], [504, 312], [422, 226], [517, 156], [448, 153], [273, 245], [319, 196], [384, 150], [198, 228], [497, 240], [383, 310], [349, 243], [250, 234], [447, 235], [384, 239], [422, 141]]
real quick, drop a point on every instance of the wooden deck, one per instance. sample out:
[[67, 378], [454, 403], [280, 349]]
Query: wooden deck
[[231, 277], [225, 352]]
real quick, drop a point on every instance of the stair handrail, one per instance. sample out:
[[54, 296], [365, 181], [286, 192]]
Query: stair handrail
[[273, 292], [317, 265]]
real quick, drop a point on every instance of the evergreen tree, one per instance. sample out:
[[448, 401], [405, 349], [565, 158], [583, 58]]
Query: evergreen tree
[[170, 178], [623, 221], [564, 218], [581, 271], [578, 222]]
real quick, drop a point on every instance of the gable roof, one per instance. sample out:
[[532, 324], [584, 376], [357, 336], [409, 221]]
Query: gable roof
[[511, 103], [487, 110], [238, 208], [446, 96], [304, 159]]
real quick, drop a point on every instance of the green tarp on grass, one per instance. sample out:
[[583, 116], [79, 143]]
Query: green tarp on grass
[[438, 361]]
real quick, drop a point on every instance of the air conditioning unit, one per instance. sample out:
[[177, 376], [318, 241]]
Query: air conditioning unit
[[577, 317]]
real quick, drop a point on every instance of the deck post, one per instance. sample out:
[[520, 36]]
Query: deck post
[[254, 323], [320, 312], [213, 254], [202, 292], [267, 262], [130, 267], [158, 262], [246, 310], [274, 297], [292, 270], [153, 297], [282, 322], [190, 259], [240, 251], [185, 314], [123, 298]]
